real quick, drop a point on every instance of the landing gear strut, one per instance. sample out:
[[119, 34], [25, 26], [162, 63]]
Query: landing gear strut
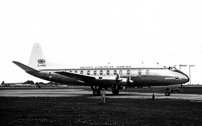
[[115, 90], [96, 90], [167, 93]]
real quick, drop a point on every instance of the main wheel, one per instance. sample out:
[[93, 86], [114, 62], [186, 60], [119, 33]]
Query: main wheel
[[167, 93], [96, 92], [115, 91]]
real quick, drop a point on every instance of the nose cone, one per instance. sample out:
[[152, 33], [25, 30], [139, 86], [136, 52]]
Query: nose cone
[[186, 78], [183, 77]]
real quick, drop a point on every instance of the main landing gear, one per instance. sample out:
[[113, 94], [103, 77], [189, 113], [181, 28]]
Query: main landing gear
[[115, 89], [97, 90]]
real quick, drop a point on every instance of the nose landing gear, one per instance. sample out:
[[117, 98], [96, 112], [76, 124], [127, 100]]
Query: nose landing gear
[[167, 93]]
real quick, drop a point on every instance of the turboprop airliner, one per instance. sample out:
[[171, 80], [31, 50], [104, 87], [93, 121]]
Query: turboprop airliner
[[98, 77]]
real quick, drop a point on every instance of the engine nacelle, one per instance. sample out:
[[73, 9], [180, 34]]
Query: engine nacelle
[[125, 81], [115, 79]]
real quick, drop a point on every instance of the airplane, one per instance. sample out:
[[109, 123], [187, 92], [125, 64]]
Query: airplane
[[105, 76]]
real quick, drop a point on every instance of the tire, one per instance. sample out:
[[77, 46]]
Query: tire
[[115, 91], [96, 92], [167, 93]]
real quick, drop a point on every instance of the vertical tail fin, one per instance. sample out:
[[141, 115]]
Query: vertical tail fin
[[37, 58]]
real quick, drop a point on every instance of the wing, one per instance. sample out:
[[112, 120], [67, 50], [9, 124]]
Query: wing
[[76, 76]]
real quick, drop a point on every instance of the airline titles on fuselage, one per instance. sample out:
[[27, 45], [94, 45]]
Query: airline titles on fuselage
[[101, 67]]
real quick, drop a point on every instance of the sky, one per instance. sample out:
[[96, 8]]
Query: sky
[[101, 31]]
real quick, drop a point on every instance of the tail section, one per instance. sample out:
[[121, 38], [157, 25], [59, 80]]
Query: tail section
[[24, 67], [37, 58]]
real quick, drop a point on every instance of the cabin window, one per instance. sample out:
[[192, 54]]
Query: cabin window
[[70, 71], [115, 72], [81, 72], [88, 72], [75, 71], [108, 72], [101, 72], [95, 72], [172, 68]]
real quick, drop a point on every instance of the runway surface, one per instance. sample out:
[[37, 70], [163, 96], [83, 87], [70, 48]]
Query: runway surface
[[86, 93]]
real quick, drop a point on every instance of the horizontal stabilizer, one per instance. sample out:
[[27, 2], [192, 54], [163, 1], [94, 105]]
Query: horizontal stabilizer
[[24, 67]]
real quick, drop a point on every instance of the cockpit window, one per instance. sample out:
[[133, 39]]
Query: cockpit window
[[172, 68]]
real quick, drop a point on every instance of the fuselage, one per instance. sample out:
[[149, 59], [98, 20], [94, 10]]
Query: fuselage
[[106, 75]]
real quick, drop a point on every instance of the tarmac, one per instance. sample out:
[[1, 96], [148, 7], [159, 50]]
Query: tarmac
[[87, 93]]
